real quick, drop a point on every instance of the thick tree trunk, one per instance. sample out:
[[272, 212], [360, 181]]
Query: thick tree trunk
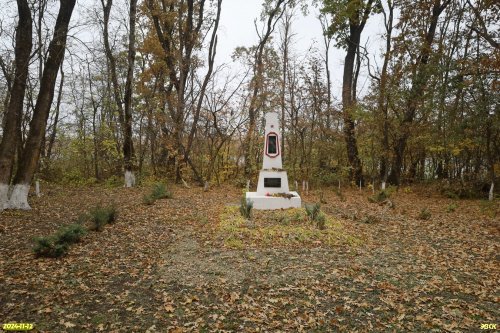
[[31, 154], [13, 114], [348, 104]]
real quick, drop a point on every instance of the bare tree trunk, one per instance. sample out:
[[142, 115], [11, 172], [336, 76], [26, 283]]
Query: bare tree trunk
[[128, 146], [211, 57], [14, 111], [382, 98], [56, 117], [125, 106], [31, 154]]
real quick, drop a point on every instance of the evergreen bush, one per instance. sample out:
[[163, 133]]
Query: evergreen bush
[[57, 245], [100, 216]]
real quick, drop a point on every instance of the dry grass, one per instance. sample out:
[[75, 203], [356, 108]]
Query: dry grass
[[281, 228]]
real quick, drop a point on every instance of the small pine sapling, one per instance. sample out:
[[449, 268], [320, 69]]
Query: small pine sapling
[[313, 211]]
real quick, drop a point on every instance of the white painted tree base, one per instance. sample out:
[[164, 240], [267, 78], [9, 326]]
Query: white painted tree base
[[129, 179], [4, 196], [262, 202], [19, 197], [490, 194]]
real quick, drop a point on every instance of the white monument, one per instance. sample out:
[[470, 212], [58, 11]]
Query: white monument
[[272, 189]]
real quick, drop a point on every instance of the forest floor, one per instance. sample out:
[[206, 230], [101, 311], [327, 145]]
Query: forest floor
[[169, 267]]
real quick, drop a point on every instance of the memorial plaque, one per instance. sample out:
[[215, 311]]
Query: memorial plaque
[[272, 182]]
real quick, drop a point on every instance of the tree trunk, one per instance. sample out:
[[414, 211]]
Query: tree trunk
[[348, 105], [31, 154], [128, 145], [125, 106], [14, 111], [212, 49], [419, 82], [383, 99], [56, 117]]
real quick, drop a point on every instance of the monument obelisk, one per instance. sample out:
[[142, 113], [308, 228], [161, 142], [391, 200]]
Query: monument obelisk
[[272, 188]]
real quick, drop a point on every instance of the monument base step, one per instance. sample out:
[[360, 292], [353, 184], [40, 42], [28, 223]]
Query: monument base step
[[267, 202]]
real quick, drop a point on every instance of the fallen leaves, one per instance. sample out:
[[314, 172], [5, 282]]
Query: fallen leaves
[[164, 268]]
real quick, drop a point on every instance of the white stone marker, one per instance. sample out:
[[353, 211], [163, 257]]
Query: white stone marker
[[272, 188]]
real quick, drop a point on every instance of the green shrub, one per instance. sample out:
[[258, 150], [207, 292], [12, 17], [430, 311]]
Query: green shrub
[[70, 234], [49, 247], [383, 195], [451, 208], [160, 191], [313, 211], [246, 208], [321, 221], [314, 214], [82, 218], [424, 214], [58, 244], [378, 197], [100, 216], [148, 199], [450, 194]]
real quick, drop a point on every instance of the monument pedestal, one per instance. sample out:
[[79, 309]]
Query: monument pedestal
[[268, 202]]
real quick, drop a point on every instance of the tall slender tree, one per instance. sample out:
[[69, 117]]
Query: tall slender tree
[[123, 104]]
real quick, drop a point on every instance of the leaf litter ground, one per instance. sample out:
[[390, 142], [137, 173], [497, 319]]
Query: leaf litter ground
[[168, 267]]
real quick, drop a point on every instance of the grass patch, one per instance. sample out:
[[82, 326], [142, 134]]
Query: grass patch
[[489, 208], [316, 216], [281, 228]]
